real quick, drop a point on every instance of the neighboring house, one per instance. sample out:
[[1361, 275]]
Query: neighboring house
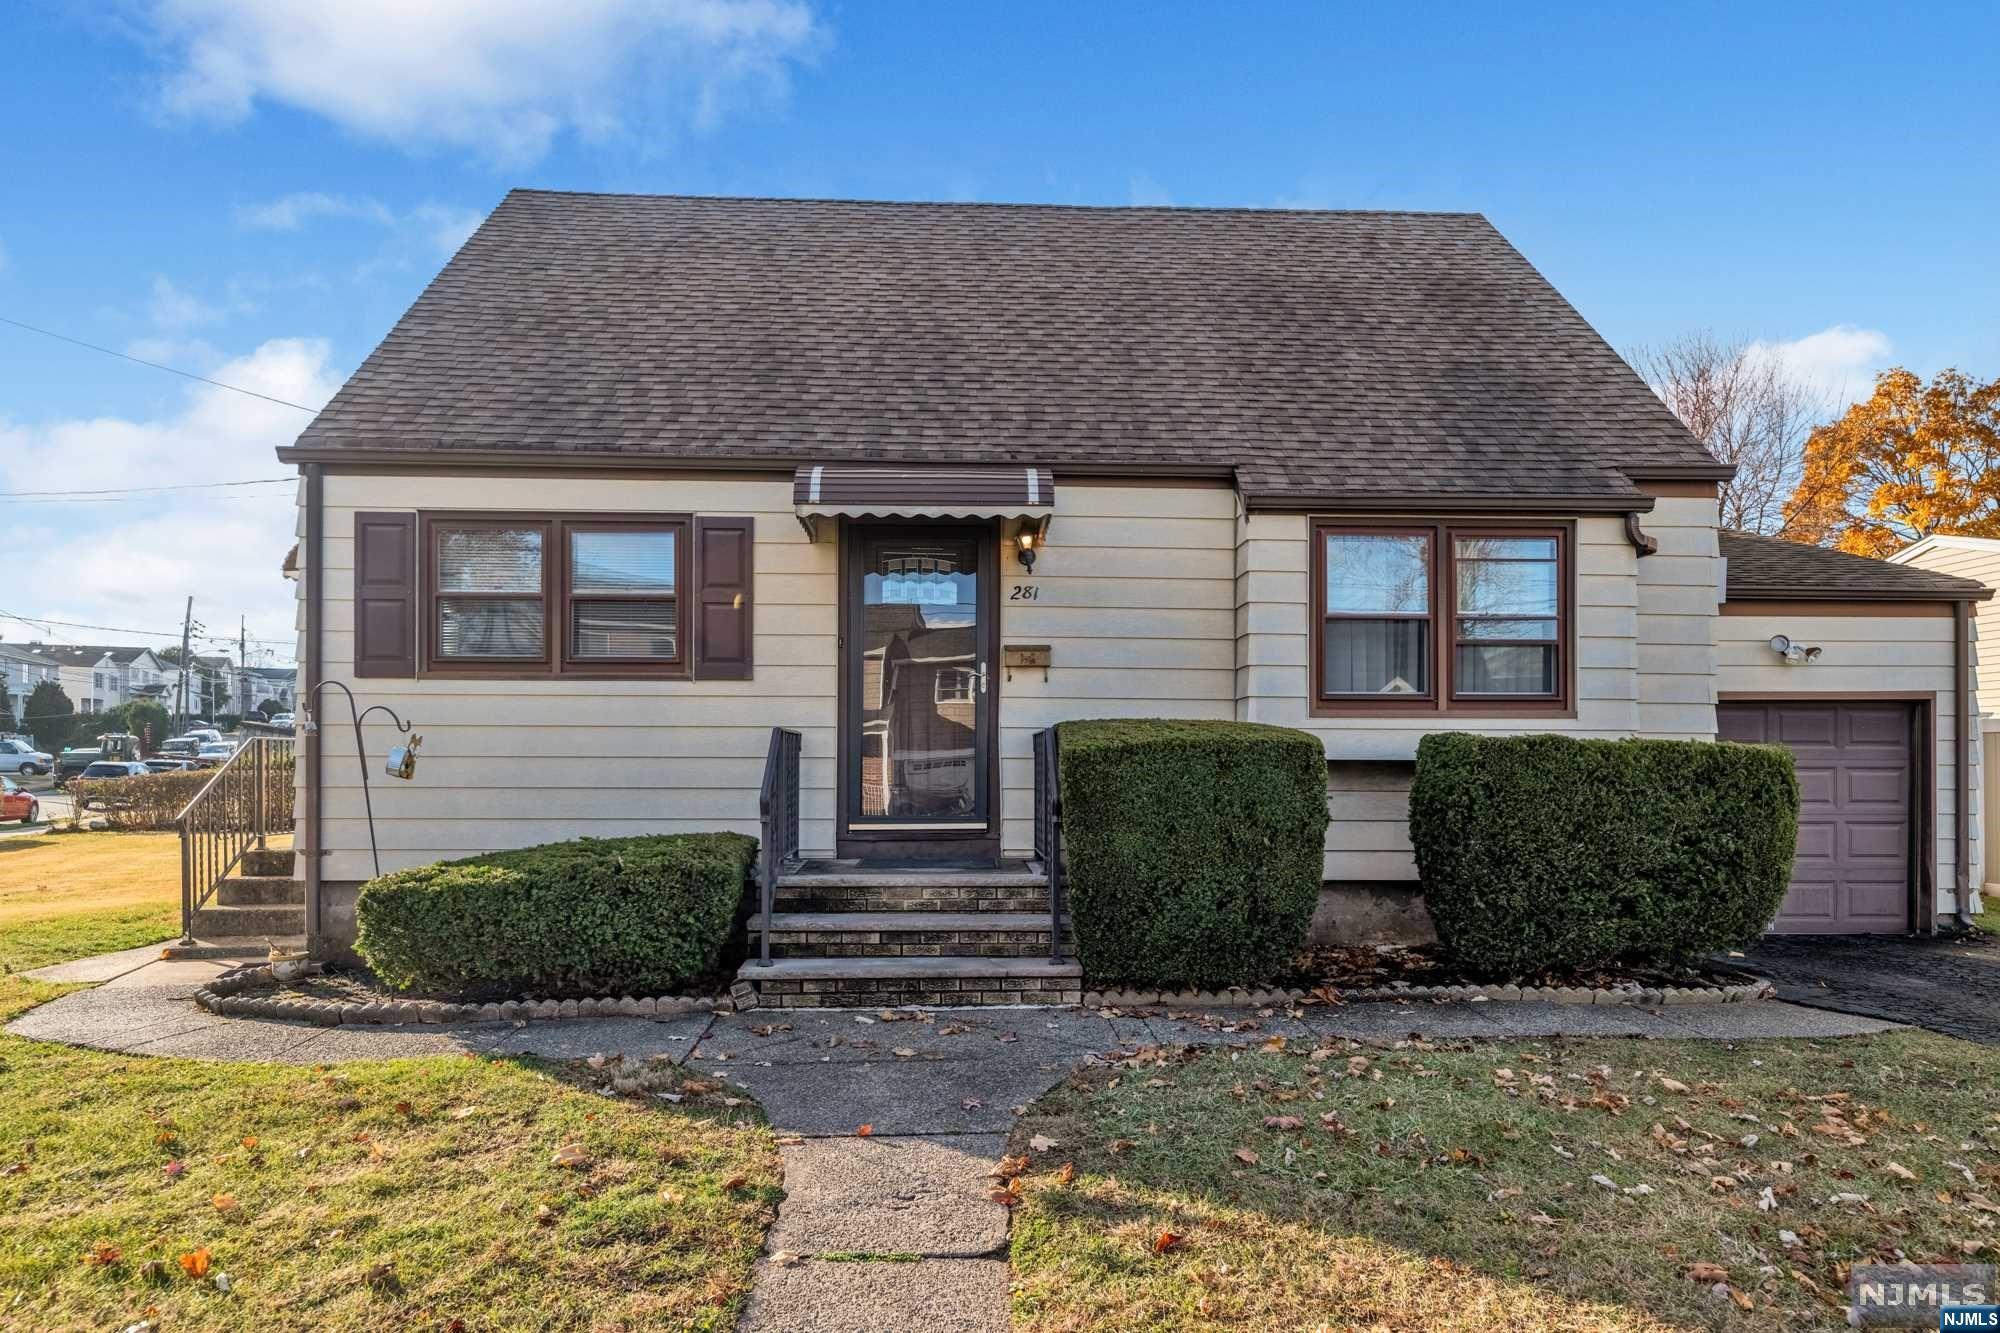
[[23, 669], [97, 677], [1978, 559], [255, 685], [726, 465]]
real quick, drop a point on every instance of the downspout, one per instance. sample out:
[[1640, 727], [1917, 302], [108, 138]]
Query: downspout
[[314, 665], [1961, 745], [1642, 541]]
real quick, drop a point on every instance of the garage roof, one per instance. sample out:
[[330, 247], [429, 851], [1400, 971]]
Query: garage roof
[[1766, 569]]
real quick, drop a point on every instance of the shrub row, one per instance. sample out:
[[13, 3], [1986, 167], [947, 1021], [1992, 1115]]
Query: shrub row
[[598, 916], [1549, 852], [1194, 848], [156, 800]]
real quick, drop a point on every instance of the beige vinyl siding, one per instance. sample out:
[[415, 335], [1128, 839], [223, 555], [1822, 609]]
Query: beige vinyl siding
[[509, 763], [1135, 596], [1980, 562], [1370, 757], [1861, 655], [1678, 591]]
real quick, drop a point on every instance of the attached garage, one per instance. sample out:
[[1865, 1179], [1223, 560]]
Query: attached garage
[[1859, 808], [1861, 669]]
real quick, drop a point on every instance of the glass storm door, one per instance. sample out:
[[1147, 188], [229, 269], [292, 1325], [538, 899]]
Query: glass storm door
[[918, 688]]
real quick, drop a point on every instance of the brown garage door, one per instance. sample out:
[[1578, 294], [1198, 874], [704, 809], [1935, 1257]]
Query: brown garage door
[[1852, 873]]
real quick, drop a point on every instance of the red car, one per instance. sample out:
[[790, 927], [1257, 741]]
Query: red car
[[18, 803]]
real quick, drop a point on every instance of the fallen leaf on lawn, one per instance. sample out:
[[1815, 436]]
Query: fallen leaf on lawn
[[1042, 1143], [405, 1109], [102, 1254], [1247, 1157], [1706, 1272], [250, 1142], [382, 1277], [736, 1182], [1899, 1171], [1009, 1167], [1604, 1182], [1283, 1122], [786, 1259], [1767, 1199], [1672, 1084], [195, 1264], [1510, 1192], [864, 1131], [1119, 1147], [1008, 1194], [224, 1203], [173, 1169], [544, 1215], [1066, 1173], [572, 1156], [1742, 1299], [1165, 1241]]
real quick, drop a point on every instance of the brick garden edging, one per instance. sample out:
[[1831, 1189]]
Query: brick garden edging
[[1734, 992], [228, 995]]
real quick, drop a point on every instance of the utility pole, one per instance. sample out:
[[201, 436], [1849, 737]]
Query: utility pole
[[187, 632], [243, 665]]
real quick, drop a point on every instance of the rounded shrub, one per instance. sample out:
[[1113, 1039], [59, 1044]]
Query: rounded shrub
[[1194, 849], [593, 916], [1541, 852]]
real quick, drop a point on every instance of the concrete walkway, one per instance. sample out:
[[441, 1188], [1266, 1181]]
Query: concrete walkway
[[888, 1128]]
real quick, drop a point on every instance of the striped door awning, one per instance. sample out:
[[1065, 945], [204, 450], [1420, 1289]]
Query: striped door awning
[[875, 490]]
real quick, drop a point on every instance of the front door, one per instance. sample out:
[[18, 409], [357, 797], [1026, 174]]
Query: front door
[[917, 719]]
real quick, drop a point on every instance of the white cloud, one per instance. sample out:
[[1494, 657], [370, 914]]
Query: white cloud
[[1841, 361], [500, 77], [133, 564], [173, 308], [293, 211], [441, 226]]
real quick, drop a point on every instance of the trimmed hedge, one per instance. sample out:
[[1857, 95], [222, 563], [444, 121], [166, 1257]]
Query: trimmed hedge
[[1194, 849], [600, 916], [1542, 852]]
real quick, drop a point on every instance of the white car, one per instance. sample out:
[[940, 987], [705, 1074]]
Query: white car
[[282, 720], [20, 757], [215, 751]]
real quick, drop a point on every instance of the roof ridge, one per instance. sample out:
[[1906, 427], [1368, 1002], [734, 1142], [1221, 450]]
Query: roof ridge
[[1010, 204]]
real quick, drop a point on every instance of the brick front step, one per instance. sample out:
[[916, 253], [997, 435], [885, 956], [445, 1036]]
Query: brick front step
[[267, 861], [827, 983], [907, 934], [793, 897], [217, 921], [260, 891]]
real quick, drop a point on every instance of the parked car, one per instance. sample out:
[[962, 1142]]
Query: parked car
[[17, 756], [180, 747], [169, 764], [282, 720], [16, 802], [216, 750], [108, 769], [203, 734]]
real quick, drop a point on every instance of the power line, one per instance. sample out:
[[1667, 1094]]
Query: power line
[[133, 490], [140, 360], [134, 499], [127, 629]]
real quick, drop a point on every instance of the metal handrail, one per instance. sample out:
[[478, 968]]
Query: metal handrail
[[1048, 830], [778, 819], [237, 810]]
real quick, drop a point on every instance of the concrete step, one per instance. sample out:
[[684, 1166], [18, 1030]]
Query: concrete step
[[260, 891], [907, 934], [217, 921], [235, 950], [825, 983], [270, 861], [859, 874]]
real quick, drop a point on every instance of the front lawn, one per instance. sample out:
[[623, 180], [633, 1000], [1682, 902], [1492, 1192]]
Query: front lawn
[[389, 1194], [69, 895], [1534, 1184]]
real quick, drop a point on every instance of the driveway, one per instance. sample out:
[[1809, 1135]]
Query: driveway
[[1946, 985]]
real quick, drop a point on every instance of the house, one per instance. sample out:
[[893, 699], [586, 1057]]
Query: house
[[638, 479], [98, 677], [1978, 559], [22, 669], [256, 685]]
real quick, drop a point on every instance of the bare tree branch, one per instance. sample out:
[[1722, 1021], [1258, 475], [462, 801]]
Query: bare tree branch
[[1748, 410]]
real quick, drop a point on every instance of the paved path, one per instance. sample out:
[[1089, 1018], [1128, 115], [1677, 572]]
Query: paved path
[[1950, 986], [887, 1228]]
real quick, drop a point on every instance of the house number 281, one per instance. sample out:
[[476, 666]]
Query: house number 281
[[1025, 592]]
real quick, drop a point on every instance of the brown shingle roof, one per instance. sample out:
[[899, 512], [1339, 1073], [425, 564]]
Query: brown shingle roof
[[1763, 568], [1321, 355]]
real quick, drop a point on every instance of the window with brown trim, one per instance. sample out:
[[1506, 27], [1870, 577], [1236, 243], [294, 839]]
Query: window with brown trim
[[574, 595], [1441, 617]]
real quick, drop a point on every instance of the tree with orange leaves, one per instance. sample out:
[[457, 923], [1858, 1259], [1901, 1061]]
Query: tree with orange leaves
[[1909, 461]]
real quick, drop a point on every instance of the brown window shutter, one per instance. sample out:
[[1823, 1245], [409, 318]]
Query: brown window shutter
[[385, 594], [723, 555]]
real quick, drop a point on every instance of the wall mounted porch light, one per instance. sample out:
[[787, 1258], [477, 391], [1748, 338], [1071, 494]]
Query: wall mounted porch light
[[1794, 654], [1029, 540], [402, 760]]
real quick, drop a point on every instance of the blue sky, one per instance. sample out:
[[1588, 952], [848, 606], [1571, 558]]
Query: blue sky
[[255, 189]]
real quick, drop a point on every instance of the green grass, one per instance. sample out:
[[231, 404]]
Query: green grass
[[58, 939], [387, 1194], [1443, 1196]]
